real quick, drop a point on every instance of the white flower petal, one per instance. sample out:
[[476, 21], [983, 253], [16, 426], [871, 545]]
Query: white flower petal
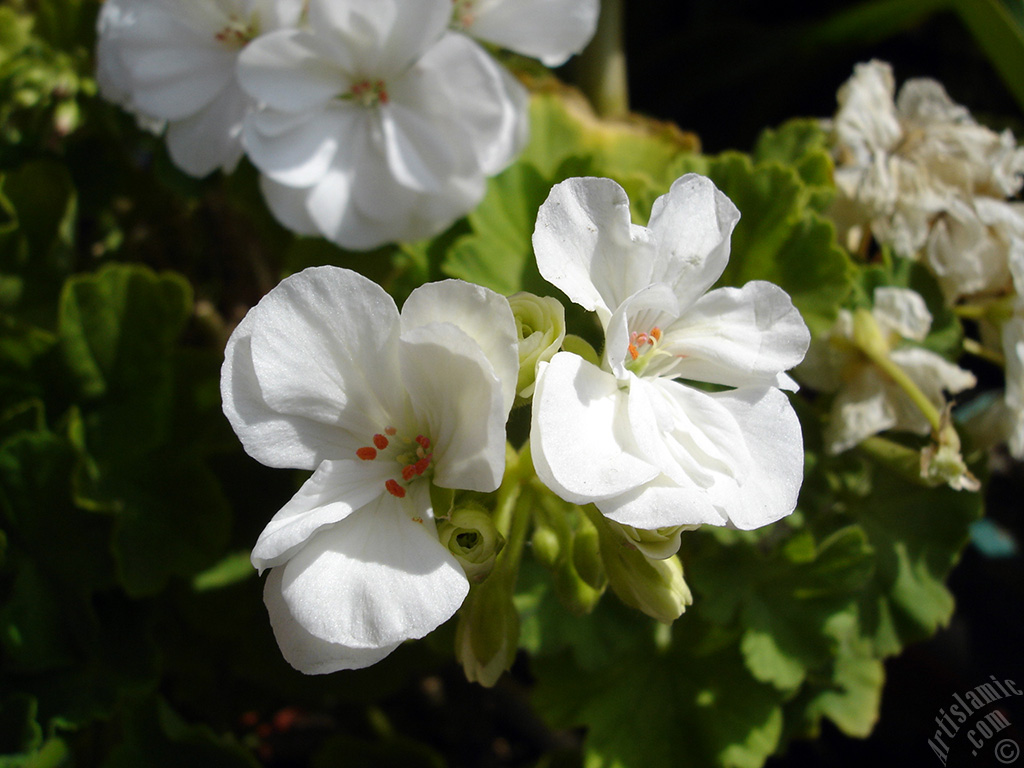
[[549, 30], [473, 101], [324, 347], [272, 438], [335, 491], [176, 69], [212, 137], [479, 312], [587, 246], [692, 226], [288, 205], [580, 439], [306, 653], [374, 579], [301, 155], [903, 311], [771, 433], [861, 408], [293, 70], [464, 409], [738, 336]]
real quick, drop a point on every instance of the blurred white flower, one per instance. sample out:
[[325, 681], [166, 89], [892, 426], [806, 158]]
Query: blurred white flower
[[379, 124], [175, 61], [925, 179], [650, 451], [549, 30], [325, 374], [868, 401]]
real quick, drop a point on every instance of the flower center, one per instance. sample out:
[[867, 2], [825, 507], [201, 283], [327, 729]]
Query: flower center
[[368, 92], [462, 13], [642, 349], [414, 456], [237, 33]]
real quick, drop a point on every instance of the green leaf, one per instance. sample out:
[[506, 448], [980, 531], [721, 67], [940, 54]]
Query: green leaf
[[781, 240], [917, 535], [802, 144], [499, 252], [117, 328], [664, 707], [783, 599], [849, 692]]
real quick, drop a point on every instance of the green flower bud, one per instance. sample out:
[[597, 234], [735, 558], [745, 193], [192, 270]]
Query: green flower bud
[[487, 634], [470, 535], [658, 544], [545, 545], [540, 323], [580, 346], [655, 587], [586, 554]]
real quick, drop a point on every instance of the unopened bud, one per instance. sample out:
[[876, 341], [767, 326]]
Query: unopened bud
[[655, 587], [580, 346], [658, 544], [470, 535], [540, 324], [545, 545], [487, 635]]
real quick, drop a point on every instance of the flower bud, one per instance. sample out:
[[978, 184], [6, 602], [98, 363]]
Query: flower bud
[[540, 323], [580, 346], [545, 545], [658, 544], [470, 535], [487, 635], [655, 587]]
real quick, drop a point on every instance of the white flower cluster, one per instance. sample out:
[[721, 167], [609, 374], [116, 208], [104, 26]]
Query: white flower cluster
[[326, 374], [920, 175], [917, 173], [369, 120]]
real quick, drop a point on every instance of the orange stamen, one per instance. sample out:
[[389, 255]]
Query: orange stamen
[[632, 351], [656, 333], [367, 453], [395, 489], [380, 441]]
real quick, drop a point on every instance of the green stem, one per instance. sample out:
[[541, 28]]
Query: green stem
[[600, 70], [974, 348]]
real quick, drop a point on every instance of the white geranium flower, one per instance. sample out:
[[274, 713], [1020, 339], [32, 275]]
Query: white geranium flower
[[175, 60], [650, 451], [379, 123], [905, 162], [325, 374], [867, 401], [549, 30], [969, 246]]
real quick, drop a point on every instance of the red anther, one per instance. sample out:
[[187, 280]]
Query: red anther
[[421, 466], [380, 441], [390, 431], [409, 472], [656, 333], [632, 352], [367, 453], [418, 520], [423, 441], [395, 489]]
